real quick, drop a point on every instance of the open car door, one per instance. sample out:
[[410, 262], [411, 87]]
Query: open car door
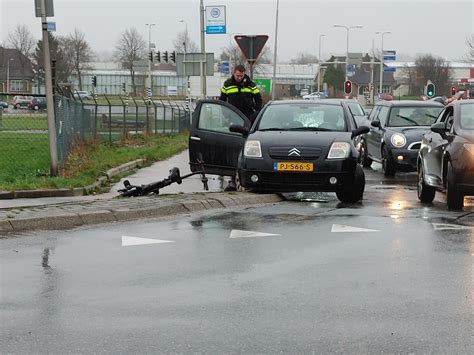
[[210, 139]]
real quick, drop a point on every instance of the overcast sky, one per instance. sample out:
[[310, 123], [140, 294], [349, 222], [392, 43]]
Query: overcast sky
[[439, 27]]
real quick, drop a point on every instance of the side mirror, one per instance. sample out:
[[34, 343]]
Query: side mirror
[[360, 130], [439, 128], [239, 129], [375, 123]]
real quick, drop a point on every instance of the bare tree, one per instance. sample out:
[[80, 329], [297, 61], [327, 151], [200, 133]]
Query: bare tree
[[304, 58], [409, 72], [78, 51], [130, 48], [22, 40], [470, 46], [436, 69], [183, 43]]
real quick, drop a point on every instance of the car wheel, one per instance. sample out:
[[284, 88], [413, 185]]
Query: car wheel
[[17, 106], [425, 192], [355, 191], [36, 107], [388, 165], [364, 156], [454, 198]]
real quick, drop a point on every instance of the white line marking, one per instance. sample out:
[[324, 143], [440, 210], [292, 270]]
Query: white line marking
[[447, 226], [131, 241], [236, 233], [339, 228]]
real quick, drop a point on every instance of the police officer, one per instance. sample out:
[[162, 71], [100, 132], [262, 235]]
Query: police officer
[[242, 93]]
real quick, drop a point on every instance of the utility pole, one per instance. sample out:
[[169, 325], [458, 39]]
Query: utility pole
[[275, 54], [371, 91], [381, 61], [203, 51], [319, 62], [149, 86], [53, 148]]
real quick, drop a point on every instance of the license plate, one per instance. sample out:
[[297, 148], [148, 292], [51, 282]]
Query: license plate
[[293, 166]]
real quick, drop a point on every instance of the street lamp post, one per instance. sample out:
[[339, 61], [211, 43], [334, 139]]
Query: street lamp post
[[381, 60], [188, 97], [149, 50], [8, 75], [319, 61], [347, 42]]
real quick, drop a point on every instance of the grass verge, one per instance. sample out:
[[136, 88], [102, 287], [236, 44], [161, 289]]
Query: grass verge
[[85, 162]]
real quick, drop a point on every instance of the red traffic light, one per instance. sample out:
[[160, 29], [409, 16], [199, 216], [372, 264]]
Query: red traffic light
[[348, 87], [453, 90]]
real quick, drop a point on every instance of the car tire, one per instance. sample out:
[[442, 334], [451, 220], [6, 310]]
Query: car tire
[[355, 191], [36, 107], [388, 165], [454, 198], [17, 106], [364, 156], [426, 193]]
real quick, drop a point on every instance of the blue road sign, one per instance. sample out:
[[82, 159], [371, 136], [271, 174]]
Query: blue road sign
[[389, 52], [51, 26], [389, 69], [215, 29], [388, 57]]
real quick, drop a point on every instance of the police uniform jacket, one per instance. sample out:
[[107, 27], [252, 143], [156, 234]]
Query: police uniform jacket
[[244, 95]]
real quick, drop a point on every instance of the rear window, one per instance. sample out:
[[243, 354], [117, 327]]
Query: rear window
[[467, 116], [413, 116], [302, 116]]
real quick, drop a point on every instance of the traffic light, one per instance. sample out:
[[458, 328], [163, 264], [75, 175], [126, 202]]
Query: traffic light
[[165, 56], [158, 56], [94, 81], [430, 90], [453, 90], [173, 56], [150, 56], [124, 87], [348, 87]]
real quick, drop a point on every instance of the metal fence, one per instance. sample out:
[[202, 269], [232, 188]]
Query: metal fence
[[24, 131]]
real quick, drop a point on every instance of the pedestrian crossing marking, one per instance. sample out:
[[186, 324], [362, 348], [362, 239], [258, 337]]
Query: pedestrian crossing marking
[[131, 241], [339, 228], [447, 226], [236, 233]]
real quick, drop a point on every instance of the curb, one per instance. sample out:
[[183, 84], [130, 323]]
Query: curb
[[54, 218], [78, 191]]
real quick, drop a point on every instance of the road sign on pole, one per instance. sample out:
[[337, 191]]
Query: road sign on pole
[[251, 46], [215, 20]]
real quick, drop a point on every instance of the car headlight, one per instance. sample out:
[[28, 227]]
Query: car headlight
[[398, 140], [469, 148], [339, 150], [252, 149]]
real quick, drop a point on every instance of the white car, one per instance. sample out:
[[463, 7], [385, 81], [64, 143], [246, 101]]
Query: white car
[[314, 96], [84, 95]]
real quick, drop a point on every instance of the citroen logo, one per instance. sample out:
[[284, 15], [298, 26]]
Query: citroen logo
[[294, 151]]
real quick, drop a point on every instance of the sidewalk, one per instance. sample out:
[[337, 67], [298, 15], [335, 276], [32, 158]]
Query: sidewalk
[[25, 214]]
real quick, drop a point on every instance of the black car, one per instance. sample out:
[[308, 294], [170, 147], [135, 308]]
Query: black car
[[446, 157], [293, 145], [397, 128], [37, 103]]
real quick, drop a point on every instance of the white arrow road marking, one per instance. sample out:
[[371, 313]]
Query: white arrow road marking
[[236, 233], [130, 241], [339, 228], [446, 226]]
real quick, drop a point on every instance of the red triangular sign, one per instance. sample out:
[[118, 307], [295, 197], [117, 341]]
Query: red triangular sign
[[251, 46]]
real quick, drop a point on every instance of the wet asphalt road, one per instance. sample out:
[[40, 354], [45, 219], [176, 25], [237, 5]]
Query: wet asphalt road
[[384, 275]]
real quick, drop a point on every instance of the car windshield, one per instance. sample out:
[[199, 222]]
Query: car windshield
[[467, 116], [356, 109], [302, 117], [413, 116]]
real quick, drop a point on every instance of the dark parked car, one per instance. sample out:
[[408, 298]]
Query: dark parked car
[[3, 105], [397, 128], [37, 103], [293, 145], [357, 111], [446, 157]]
